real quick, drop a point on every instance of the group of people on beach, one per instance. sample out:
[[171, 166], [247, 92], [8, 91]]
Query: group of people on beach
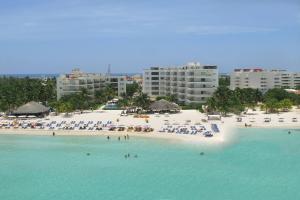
[[126, 137]]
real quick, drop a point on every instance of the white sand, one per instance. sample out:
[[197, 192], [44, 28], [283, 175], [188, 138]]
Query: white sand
[[227, 125]]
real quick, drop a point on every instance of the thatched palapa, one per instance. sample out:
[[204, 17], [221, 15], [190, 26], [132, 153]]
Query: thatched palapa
[[164, 105], [32, 108]]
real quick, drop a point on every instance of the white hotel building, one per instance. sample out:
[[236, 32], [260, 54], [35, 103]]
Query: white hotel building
[[263, 79], [73, 82], [191, 83]]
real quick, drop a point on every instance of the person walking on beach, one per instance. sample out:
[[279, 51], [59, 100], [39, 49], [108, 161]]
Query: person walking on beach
[[53, 134]]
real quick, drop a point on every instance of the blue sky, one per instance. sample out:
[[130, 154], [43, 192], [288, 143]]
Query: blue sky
[[38, 36]]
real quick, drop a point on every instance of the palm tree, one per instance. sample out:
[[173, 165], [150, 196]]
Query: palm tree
[[211, 104], [271, 105], [286, 104], [142, 100]]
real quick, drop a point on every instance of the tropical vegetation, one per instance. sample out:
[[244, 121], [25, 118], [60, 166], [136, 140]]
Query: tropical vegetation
[[17, 91], [236, 101]]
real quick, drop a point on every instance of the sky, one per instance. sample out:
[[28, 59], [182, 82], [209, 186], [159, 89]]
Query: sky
[[54, 36]]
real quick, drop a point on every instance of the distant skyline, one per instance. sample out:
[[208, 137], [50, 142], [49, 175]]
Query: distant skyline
[[38, 36]]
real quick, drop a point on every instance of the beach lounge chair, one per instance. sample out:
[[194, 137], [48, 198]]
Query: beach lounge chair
[[208, 134], [239, 119], [215, 128]]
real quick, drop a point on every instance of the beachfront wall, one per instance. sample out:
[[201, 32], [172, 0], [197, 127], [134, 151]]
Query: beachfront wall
[[191, 83]]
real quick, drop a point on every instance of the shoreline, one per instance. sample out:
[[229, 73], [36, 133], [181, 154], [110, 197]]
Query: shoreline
[[227, 126], [197, 139]]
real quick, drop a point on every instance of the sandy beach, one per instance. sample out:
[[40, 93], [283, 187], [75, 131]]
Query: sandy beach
[[227, 125]]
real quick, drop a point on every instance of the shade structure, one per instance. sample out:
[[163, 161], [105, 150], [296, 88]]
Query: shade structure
[[32, 108], [164, 105]]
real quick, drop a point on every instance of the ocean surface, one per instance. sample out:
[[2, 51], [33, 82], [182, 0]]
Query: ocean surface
[[260, 164]]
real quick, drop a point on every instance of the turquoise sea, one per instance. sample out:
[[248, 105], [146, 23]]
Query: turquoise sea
[[260, 164]]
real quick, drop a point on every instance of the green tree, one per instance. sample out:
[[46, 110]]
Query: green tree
[[224, 81], [211, 104], [65, 107], [286, 104], [17, 91], [272, 105], [131, 89], [277, 94], [223, 97], [142, 100]]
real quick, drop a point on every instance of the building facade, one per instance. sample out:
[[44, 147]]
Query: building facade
[[263, 79], [73, 83], [191, 83]]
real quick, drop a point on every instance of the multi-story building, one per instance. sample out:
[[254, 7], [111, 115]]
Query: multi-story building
[[191, 83], [263, 79], [73, 82]]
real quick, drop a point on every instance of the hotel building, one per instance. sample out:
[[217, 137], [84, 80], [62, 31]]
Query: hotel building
[[191, 83], [263, 79], [72, 83]]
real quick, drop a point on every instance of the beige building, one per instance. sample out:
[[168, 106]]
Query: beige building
[[73, 82], [191, 83], [263, 79]]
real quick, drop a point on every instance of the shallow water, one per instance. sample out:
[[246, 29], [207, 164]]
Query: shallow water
[[261, 164]]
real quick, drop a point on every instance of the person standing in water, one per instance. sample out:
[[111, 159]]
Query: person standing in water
[[53, 134]]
